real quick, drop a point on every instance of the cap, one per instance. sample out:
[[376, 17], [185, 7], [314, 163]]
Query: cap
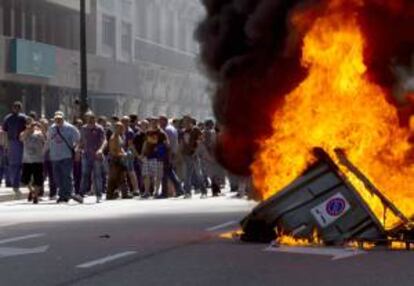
[[59, 114], [89, 113]]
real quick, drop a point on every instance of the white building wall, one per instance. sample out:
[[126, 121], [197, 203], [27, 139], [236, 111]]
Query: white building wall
[[116, 9], [166, 79]]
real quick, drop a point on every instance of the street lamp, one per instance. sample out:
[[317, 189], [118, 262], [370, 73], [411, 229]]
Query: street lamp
[[83, 60]]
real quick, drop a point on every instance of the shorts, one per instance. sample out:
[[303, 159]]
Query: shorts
[[32, 173], [129, 162], [120, 162], [152, 168]]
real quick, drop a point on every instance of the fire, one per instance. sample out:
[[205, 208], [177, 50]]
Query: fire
[[337, 106], [289, 240]]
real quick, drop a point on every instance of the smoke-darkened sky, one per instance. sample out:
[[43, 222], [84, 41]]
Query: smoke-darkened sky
[[252, 50]]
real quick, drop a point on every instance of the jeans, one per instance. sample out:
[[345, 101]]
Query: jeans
[[62, 171], [105, 172], [138, 172], [15, 158], [48, 172], [94, 167], [77, 174], [192, 175], [7, 174], [129, 160], [169, 174], [3, 162]]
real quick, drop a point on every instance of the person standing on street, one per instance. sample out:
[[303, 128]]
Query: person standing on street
[[129, 149], [47, 165], [34, 140], [3, 156], [169, 170], [103, 121], [63, 138], [154, 152], [138, 141], [14, 124], [117, 163], [92, 145], [77, 162], [189, 144], [207, 156]]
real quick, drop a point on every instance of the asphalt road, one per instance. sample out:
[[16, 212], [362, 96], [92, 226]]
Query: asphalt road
[[169, 242]]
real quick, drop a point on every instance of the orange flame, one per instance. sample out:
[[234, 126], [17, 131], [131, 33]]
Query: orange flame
[[337, 106], [289, 240]]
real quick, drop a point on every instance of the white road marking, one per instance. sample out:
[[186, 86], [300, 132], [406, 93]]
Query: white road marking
[[105, 259], [6, 224], [223, 225], [19, 238], [14, 251], [335, 253]]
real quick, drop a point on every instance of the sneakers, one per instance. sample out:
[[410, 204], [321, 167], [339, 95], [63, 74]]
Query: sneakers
[[240, 196], [62, 200], [30, 197], [145, 196], [112, 196], [179, 194], [35, 199], [77, 198], [127, 196], [160, 197], [98, 199], [187, 196], [203, 196]]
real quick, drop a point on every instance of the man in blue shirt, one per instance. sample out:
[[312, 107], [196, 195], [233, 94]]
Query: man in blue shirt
[[63, 138], [14, 124]]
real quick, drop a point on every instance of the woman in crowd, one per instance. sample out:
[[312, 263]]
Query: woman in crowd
[[34, 140]]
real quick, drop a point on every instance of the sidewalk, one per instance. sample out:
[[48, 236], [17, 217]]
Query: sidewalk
[[7, 194]]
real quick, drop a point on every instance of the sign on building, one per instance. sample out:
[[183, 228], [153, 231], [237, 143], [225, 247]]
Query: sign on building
[[32, 58]]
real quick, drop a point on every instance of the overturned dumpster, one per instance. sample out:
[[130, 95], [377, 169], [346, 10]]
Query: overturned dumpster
[[324, 200]]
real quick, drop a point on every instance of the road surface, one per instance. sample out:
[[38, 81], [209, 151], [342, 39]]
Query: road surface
[[169, 242]]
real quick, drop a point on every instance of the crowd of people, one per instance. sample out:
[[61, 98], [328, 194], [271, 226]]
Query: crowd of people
[[121, 157]]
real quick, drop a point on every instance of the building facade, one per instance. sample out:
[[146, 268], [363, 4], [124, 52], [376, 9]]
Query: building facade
[[141, 56]]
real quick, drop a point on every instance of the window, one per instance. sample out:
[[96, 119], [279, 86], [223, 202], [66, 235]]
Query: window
[[7, 20], [108, 30], [126, 41], [108, 5], [28, 25], [126, 8]]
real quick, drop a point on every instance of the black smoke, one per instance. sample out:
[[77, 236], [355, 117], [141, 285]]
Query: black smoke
[[251, 49]]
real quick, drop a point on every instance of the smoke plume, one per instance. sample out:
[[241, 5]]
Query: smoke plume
[[252, 50]]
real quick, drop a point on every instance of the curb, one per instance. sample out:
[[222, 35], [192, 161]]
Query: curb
[[11, 197]]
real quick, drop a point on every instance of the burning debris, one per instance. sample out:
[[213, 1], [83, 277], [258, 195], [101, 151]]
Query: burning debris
[[322, 207]]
